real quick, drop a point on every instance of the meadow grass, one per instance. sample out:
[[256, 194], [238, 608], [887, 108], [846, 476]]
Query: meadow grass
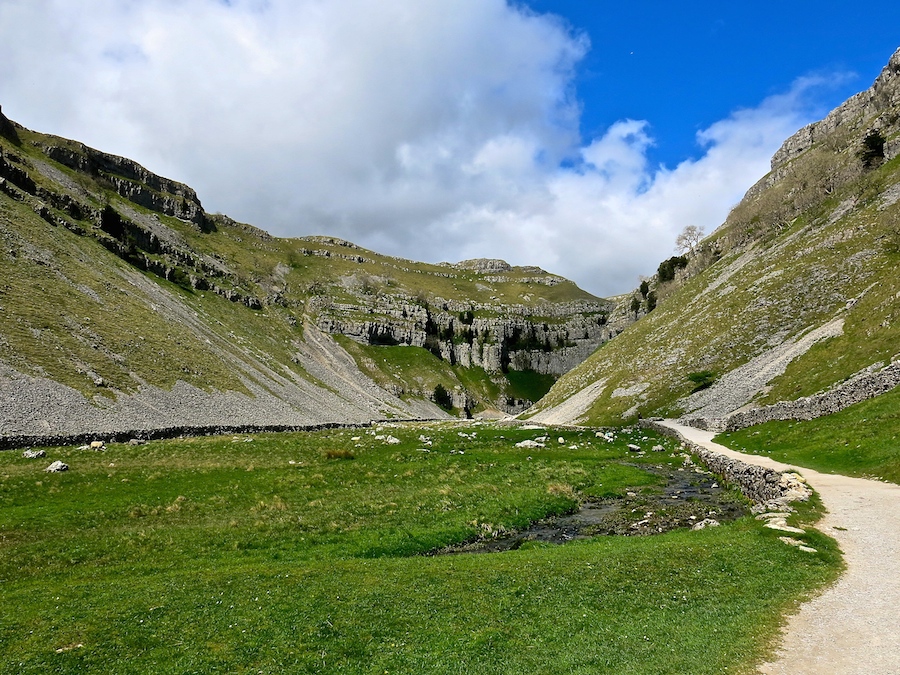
[[861, 440], [302, 553]]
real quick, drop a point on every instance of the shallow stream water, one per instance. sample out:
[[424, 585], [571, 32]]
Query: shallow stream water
[[686, 497]]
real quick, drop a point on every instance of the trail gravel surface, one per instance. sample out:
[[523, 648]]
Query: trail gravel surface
[[853, 628]]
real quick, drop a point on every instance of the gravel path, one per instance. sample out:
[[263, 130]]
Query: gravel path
[[854, 626]]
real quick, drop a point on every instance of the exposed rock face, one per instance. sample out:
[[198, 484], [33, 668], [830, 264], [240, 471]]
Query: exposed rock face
[[512, 338], [484, 265], [133, 182], [884, 93]]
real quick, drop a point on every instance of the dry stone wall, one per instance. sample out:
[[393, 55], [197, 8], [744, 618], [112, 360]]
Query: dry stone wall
[[770, 489], [866, 384]]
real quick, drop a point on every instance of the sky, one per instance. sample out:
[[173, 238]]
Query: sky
[[578, 135]]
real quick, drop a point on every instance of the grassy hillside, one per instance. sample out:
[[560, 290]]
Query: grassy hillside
[[816, 243], [113, 279]]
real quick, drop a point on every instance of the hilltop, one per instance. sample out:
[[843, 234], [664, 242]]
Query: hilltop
[[125, 304], [795, 295]]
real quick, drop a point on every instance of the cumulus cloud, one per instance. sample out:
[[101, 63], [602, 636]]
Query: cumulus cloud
[[435, 130]]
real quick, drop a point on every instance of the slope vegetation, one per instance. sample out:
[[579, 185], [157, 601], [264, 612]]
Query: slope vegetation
[[796, 292], [124, 303]]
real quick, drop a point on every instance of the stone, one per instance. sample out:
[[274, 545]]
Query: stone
[[772, 514], [34, 454], [781, 525], [57, 467], [790, 541], [634, 448], [658, 448], [529, 444], [706, 522], [137, 441]]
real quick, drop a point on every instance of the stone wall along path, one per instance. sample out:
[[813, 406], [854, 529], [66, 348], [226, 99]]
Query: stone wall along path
[[853, 628]]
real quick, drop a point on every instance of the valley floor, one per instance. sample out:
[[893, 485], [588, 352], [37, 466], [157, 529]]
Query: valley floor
[[853, 627]]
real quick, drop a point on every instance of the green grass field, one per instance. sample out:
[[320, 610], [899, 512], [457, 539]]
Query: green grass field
[[859, 441], [300, 553]]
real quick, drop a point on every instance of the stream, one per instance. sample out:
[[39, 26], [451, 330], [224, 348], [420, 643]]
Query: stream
[[686, 497]]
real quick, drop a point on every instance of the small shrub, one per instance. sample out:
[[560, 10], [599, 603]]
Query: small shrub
[[666, 270], [702, 379], [635, 306], [872, 152], [467, 317], [442, 397]]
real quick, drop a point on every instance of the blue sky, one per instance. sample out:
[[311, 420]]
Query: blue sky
[[685, 65], [581, 136]]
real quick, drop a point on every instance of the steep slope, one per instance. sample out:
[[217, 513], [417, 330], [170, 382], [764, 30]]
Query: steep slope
[[123, 302], [795, 293]]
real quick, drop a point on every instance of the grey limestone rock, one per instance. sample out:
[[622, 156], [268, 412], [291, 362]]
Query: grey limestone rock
[[57, 467]]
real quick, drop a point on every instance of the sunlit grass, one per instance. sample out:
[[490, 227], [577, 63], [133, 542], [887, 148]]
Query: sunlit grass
[[280, 553]]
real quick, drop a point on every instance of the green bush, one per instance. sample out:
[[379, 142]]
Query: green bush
[[872, 153], [442, 397], [666, 269], [702, 379]]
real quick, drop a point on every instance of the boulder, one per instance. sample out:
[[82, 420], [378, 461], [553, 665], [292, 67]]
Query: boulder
[[57, 467]]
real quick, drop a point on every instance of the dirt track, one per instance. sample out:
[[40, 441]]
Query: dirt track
[[854, 626]]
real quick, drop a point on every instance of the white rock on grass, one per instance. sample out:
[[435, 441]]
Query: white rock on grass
[[34, 454], [781, 525], [56, 467], [529, 444], [790, 541], [706, 522]]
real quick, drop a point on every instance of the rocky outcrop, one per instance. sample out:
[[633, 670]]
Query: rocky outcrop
[[857, 110], [866, 384], [132, 181], [484, 265], [134, 236], [8, 129], [509, 337]]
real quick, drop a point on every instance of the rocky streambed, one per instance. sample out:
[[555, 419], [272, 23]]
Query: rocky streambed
[[686, 498]]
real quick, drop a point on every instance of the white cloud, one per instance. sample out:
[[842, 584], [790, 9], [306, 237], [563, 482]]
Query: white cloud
[[433, 129]]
